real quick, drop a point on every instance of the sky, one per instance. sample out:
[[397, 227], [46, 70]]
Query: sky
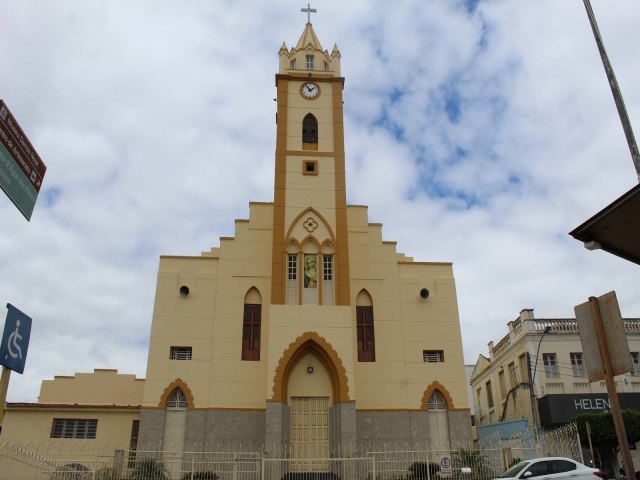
[[478, 132]]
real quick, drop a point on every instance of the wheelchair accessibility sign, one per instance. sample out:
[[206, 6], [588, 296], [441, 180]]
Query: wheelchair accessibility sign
[[15, 340]]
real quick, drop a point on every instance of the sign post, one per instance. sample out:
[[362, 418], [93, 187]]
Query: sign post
[[613, 356], [13, 350]]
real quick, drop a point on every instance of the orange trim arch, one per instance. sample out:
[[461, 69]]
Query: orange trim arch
[[306, 211], [435, 385], [177, 383], [311, 342]]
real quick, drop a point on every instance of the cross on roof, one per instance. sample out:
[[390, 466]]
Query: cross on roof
[[308, 11]]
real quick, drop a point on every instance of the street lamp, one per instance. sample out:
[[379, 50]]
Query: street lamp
[[534, 405]]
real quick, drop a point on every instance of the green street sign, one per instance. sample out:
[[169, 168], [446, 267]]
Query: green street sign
[[21, 168]]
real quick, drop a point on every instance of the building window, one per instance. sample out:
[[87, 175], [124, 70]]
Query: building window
[[310, 167], [326, 67], [251, 332], [503, 384], [489, 394], [310, 129], [74, 428], [309, 62], [177, 399], [436, 402], [293, 64], [364, 326], [635, 359], [577, 364], [327, 268], [550, 365], [513, 376], [180, 353], [433, 356], [292, 267]]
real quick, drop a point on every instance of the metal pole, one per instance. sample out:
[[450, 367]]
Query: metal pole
[[618, 422], [4, 387], [615, 90]]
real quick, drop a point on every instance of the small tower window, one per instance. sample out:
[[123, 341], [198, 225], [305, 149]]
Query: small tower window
[[309, 62], [310, 129], [293, 64]]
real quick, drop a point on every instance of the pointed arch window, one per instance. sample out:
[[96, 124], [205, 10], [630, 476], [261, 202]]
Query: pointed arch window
[[251, 326], [436, 402], [364, 328], [310, 129], [177, 399]]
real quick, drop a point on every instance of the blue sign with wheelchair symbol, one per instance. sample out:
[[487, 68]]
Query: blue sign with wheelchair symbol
[[15, 340]]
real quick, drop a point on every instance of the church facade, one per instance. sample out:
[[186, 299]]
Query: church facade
[[305, 333]]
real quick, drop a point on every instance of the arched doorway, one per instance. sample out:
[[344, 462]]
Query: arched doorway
[[310, 381]]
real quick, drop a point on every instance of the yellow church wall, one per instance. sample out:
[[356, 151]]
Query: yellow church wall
[[102, 387]]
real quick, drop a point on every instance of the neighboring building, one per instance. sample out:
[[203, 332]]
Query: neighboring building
[[99, 410], [547, 353], [304, 334]]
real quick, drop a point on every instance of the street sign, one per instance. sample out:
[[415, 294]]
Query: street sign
[[446, 468], [15, 340], [21, 168], [615, 337]]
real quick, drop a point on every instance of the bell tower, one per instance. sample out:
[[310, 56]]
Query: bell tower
[[309, 174]]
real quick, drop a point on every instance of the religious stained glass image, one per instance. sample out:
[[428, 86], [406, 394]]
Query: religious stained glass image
[[311, 271]]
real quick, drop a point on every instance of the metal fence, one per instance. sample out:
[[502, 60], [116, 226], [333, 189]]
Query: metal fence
[[483, 461]]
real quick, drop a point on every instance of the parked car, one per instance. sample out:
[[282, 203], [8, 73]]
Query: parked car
[[551, 468]]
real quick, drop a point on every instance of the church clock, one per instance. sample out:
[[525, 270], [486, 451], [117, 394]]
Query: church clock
[[310, 90]]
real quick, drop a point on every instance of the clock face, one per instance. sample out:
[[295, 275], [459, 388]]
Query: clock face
[[310, 90]]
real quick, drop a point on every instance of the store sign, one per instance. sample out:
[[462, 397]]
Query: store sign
[[560, 409]]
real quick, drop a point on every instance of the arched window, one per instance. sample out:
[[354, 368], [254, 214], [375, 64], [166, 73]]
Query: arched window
[[251, 325], [436, 402], [177, 399], [364, 328], [310, 129]]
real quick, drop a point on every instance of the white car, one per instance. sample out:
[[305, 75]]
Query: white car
[[551, 468]]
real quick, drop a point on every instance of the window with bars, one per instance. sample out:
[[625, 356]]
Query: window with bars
[[293, 64], [309, 62], [577, 364], [251, 332], [436, 401], [177, 399], [433, 356], [74, 428], [364, 327], [180, 353], [550, 365]]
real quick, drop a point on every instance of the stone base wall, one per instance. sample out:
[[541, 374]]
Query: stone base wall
[[242, 430], [268, 430], [402, 430]]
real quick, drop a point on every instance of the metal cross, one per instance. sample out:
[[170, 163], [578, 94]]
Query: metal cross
[[308, 11]]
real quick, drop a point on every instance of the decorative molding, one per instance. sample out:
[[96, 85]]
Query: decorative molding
[[435, 385], [177, 383], [311, 342]]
